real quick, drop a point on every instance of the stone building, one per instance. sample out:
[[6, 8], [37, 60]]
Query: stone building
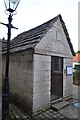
[[41, 65]]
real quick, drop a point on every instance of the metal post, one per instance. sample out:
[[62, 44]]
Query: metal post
[[5, 91]]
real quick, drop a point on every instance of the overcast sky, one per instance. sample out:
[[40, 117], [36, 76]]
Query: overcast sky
[[31, 13]]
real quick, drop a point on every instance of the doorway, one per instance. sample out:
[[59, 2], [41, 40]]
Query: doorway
[[56, 78]]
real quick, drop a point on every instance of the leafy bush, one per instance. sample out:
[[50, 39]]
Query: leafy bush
[[76, 75]]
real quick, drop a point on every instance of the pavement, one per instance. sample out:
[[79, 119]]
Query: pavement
[[18, 114], [72, 111], [65, 110]]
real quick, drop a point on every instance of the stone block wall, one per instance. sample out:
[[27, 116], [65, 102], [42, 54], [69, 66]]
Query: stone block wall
[[42, 82], [67, 80], [54, 43], [30, 79], [21, 77]]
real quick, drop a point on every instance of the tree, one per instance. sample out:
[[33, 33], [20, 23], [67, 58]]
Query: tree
[[77, 74]]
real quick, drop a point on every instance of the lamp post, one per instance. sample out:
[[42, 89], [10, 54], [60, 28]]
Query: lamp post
[[11, 6]]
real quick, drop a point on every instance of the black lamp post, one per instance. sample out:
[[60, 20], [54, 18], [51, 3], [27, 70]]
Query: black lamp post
[[11, 6]]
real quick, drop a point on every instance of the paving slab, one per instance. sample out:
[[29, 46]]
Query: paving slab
[[70, 112], [59, 105], [16, 113]]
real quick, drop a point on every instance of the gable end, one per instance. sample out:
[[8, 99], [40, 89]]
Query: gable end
[[67, 35]]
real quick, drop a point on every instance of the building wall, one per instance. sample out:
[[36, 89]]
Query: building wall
[[42, 82], [54, 43], [21, 77], [67, 80]]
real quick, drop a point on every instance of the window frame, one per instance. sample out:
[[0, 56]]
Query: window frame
[[59, 63]]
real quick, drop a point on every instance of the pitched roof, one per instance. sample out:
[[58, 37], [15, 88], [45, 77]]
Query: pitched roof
[[29, 39], [76, 58]]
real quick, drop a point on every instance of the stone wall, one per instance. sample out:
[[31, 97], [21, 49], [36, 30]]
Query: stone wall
[[67, 80], [42, 82], [21, 77], [54, 43]]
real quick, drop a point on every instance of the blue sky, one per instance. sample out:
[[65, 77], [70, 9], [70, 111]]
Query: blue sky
[[31, 13]]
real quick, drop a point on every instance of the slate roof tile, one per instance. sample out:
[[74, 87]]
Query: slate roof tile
[[32, 37]]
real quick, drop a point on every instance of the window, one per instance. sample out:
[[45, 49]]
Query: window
[[58, 64]]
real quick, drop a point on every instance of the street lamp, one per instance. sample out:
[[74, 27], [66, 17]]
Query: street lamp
[[11, 6]]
